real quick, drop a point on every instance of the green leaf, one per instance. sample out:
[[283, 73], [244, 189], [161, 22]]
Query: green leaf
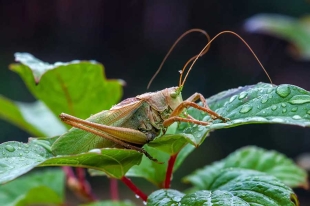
[[165, 197], [150, 170], [232, 187], [10, 112], [68, 87], [36, 188], [114, 162], [35, 118], [110, 203], [295, 31], [172, 143], [255, 104], [270, 162], [17, 158], [216, 198], [253, 187]]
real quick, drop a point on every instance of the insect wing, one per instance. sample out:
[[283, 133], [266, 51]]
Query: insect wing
[[77, 141]]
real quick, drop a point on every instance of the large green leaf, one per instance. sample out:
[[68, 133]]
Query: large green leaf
[[270, 162], [232, 187], [114, 162], [295, 31], [255, 104], [152, 171], [44, 187], [17, 158], [10, 112], [35, 117], [78, 87]]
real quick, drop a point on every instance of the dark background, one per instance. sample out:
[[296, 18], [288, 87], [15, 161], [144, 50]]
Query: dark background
[[131, 38]]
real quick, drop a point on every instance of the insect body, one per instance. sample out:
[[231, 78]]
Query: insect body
[[131, 123], [136, 121]]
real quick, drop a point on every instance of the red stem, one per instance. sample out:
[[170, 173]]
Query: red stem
[[114, 189], [134, 188], [85, 189], [169, 171]]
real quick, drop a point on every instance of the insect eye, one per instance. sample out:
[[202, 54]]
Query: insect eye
[[173, 94]]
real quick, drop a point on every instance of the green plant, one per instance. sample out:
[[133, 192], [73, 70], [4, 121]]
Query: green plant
[[249, 176]]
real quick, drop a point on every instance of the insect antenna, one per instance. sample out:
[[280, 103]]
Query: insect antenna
[[172, 47], [207, 48]]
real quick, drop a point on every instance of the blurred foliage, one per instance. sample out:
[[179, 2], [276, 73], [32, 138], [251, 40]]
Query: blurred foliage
[[295, 31]]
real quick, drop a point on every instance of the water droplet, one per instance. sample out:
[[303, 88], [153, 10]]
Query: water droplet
[[274, 107], [296, 117], [232, 98], [270, 96], [9, 148], [264, 99], [245, 109], [277, 120], [20, 154], [242, 95], [283, 90], [144, 202], [98, 151], [294, 109], [269, 90], [200, 128], [258, 106], [299, 99], [137, 196], [308, 112], [284, 110], [283, 105]]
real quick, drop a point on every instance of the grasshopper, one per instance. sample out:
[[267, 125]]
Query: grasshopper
[[136, 121]]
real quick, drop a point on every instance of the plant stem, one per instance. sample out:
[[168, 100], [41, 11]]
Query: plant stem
[[85, 188], [134, 188], [169, 171], [114, 189]]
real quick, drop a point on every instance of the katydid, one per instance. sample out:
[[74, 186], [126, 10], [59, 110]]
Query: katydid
[[136, 121]]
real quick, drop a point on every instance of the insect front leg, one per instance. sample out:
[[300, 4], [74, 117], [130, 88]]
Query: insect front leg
[[198, 96], [174, 117]]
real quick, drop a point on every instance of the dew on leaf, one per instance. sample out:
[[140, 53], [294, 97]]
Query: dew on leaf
[[242, 95], [299, 99], [284, 110], [283, 105], [264, 100], [294, 109], [308, 112], [200, 128], [283, 90], [232, 98], [274, 107], [9, 148], [279, 120], [269, 90], [296, 117], [245, 109], [98, 151]]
